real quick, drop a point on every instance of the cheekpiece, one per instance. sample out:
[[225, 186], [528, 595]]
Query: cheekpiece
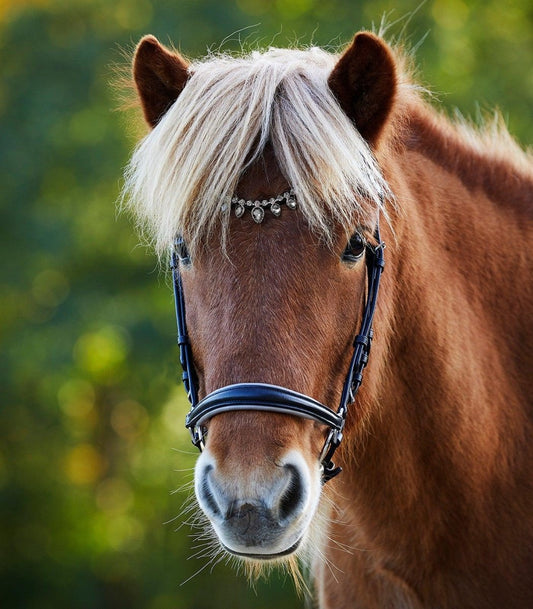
[[257, 208]]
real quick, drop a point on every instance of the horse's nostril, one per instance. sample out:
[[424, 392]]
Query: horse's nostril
[[207, 494], [292, 495]]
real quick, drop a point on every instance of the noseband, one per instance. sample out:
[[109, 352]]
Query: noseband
[[272, 398]]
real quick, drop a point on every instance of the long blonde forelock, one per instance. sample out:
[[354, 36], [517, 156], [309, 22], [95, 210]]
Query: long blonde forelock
[[184, 170]]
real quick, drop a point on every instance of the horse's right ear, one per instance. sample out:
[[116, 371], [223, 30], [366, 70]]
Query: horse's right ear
[[364, 83], [159, 76]]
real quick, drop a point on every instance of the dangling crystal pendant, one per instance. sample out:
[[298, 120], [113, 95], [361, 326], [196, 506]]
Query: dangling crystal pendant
[[275, 208], [291, 202], [239, 210], [258, 213]]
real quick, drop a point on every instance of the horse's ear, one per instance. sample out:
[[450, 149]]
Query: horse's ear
[[159, 76], [364, 83]]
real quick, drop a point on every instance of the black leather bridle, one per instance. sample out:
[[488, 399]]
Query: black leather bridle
[[272, 398]]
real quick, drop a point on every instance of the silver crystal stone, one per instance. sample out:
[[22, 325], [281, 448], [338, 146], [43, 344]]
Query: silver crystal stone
[[239, 210], [258, 213], [275, 208]]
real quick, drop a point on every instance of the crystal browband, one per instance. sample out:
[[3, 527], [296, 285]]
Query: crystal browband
[[257, 208]]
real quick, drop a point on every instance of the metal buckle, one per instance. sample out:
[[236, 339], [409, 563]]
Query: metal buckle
[[327, 467], [332, 437], [198, 437]]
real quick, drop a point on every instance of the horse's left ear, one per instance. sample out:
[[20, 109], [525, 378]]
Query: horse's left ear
[[159, 75], [364, 83]]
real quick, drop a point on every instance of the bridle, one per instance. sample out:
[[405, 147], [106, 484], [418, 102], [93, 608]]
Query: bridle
[[272, 398]]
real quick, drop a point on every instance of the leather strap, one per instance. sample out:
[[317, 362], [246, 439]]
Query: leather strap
[[260, 396]]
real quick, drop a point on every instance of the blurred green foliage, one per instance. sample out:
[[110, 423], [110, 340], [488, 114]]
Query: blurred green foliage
[[92, 440]]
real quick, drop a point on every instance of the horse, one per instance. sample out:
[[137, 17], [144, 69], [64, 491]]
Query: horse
[[284, 181]]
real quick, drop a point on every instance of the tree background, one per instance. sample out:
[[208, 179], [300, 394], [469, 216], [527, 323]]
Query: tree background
[[92, 438]]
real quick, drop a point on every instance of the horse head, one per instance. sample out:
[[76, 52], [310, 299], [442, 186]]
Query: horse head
[[274, 229]]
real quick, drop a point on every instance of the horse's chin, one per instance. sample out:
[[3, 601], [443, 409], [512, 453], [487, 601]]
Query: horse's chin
[[265, 556]]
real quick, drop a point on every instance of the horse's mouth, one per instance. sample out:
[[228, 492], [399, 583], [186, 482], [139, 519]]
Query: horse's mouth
[[274, 556]]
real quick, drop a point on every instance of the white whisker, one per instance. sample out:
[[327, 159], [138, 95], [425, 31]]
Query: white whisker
[[211, 563]]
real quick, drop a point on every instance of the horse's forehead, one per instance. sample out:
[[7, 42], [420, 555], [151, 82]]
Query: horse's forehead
[[256, 261], [263, 177], [277, 245]]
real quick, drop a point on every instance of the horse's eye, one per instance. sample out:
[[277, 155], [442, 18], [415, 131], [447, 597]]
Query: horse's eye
[[355, 248], [180, 247]]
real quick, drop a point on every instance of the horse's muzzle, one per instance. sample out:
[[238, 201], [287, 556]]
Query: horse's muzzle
[[260, 513]]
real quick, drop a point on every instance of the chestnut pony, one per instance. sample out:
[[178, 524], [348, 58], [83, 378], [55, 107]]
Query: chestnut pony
[[273, 170]]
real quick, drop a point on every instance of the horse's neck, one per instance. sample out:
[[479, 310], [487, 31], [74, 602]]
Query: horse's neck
[[460, 268], [447, 389], [459, 256]]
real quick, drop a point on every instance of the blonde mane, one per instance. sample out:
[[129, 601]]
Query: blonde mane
[[185, 169]]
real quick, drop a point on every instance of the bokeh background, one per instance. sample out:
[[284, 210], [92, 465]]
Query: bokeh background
[[93, 453]]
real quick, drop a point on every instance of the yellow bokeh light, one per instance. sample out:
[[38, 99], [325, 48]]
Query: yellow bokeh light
[[76, 398], [102, 353], [129, 419], [84, 464], [124, 533], [114, 495]]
